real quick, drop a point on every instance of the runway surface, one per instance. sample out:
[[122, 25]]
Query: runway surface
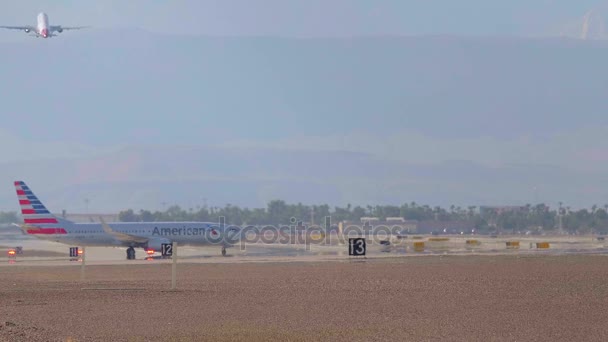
[[39, 252], [456, 298]]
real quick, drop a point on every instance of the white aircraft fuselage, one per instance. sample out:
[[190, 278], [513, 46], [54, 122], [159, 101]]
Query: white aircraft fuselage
[[155, 234], [42, 26]]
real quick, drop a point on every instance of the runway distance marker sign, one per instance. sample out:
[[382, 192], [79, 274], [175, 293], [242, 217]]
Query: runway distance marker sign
[[356, 247], [74, 252], [166, 249]]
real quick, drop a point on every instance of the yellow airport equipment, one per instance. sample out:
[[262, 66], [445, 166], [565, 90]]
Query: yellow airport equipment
[[317, 236], [419, 246], [512, 244], [473, 243], [440, 239], [543, 245]]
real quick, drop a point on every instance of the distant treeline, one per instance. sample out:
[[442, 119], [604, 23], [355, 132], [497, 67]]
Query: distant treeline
[[9, 217], [534, 218]]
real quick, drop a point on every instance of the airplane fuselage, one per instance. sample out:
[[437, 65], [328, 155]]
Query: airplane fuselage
[[42, 26], [156, 233]]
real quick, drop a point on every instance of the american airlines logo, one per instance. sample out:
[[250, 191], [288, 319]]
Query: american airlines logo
[[184, 231]]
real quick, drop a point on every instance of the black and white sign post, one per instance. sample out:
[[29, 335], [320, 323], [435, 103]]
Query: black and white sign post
[[170, 250], [82, 266], [73, 252], [173, 265], [356, 247], [166, 249]]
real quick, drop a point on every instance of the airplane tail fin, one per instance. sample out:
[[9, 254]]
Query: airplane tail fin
[[37, 218]]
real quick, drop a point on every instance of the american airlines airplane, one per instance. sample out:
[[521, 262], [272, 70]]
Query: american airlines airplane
[[150, 236], [42, 28]]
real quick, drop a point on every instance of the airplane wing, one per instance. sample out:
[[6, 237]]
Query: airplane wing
[[23, 28], [66, 28], [25, 227], [121, 236]]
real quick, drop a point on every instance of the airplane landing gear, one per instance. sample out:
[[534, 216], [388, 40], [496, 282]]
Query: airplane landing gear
[[130, 253], [223, 251]]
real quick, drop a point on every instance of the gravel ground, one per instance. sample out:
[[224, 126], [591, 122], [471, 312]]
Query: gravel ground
[[456, 298]]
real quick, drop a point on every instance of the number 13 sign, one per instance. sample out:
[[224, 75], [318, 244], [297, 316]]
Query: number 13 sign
[[356, 246]]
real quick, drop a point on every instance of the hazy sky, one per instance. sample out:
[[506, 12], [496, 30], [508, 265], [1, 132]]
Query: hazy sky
[[495, 101], [307, 17]]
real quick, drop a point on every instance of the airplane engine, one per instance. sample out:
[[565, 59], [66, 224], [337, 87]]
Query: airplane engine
[[60, 30], [155, 244], [27, 30]]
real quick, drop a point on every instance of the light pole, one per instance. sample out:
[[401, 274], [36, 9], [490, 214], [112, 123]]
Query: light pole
[[559, 216]]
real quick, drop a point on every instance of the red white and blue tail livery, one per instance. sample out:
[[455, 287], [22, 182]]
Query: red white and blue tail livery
[[36, 217]]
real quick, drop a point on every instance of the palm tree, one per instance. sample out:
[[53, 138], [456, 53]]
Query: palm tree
[[471, 211]]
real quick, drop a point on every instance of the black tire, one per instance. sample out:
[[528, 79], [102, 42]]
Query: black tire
[[130, 253]]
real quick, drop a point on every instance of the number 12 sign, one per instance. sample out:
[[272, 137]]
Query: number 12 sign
[[166, 249], [356, 247]]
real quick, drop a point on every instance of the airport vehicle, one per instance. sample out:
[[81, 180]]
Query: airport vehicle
[[38, 221], [42, 28]]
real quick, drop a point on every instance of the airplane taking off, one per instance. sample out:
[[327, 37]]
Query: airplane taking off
[[150, 236], [42, 28]]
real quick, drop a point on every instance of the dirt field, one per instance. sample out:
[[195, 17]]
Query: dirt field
[[456, 298]]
